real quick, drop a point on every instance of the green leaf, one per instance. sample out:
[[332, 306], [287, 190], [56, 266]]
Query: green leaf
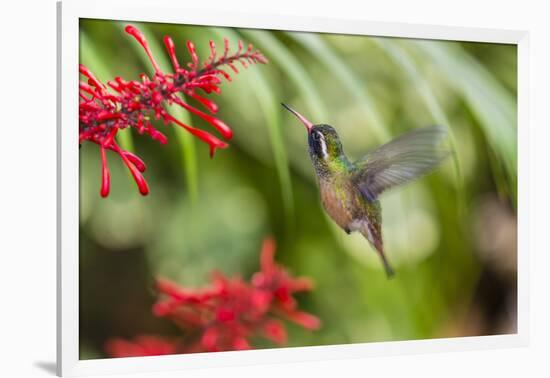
[[492, 105], [323, 53], [295, 71], [269, 104]]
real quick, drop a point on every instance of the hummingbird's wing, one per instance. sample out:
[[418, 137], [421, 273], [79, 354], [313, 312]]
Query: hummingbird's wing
[[399, 161]]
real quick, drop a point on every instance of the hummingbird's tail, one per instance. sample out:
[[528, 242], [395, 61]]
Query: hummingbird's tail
[[373, 235], [387, 267]]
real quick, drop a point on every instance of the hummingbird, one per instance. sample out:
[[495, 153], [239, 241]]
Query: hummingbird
[[349, 190]]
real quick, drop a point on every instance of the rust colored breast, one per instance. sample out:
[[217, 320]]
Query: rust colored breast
[[338, 202]]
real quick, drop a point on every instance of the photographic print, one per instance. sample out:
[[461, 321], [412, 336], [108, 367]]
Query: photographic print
[[249, 189]]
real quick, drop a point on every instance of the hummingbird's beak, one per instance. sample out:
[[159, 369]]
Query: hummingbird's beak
[[306, 123]]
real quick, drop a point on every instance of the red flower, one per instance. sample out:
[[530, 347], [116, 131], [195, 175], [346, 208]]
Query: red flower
[[144, 345], [275, 279], [103, 114], [230, 311]]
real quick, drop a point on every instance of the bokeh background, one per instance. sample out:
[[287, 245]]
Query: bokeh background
[[451, 236]]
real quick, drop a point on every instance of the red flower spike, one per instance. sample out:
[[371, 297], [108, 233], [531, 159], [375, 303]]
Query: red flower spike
[[105, 176], [210, 105], [157, 135], [87, 73], [138, 35], [138, 177], [141, 346], [173, 290], [212, 56], [304, 319], [241, 343], [225, 48], [224, 74], [212, 141], [275, 331], [301, 284], [233, 67], [162, 308], [209, 339], [267, 261], [135, 103], [136, 174], [219, 125], [191, 47], [172, 52], [225, 315], [230, 312]]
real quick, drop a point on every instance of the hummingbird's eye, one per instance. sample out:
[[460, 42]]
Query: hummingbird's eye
[[316, 135]]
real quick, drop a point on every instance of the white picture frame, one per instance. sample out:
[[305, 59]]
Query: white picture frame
[[69, 13]]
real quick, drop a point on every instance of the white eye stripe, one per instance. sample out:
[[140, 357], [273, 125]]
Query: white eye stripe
[[323, 144]]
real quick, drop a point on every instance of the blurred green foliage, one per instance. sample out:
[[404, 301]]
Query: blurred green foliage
[[204, 215]]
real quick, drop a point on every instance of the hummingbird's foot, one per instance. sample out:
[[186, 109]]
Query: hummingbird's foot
[[348, 231]]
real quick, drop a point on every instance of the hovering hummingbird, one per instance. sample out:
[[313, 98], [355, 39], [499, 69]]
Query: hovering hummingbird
[[350, 190]]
